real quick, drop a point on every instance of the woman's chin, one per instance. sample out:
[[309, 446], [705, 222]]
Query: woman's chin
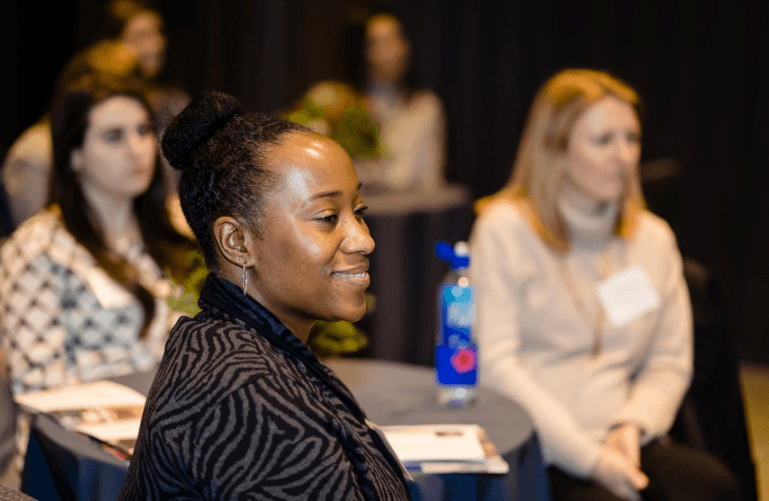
[[351, 314]]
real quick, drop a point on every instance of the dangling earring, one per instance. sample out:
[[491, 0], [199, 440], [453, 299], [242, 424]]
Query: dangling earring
[[245, 279]]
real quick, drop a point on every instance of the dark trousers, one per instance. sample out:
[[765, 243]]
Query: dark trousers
[[676, 473]]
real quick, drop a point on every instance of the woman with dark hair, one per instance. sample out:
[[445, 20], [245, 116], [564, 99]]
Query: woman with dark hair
[[583, 312], [82, 286], [412, 121], [240, 408]]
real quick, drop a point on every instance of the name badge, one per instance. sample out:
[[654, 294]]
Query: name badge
[[627, 295]]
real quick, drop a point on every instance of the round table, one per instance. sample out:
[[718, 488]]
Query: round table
[[394, 393]]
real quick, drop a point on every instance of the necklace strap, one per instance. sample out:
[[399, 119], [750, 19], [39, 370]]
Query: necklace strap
[[598, 320]]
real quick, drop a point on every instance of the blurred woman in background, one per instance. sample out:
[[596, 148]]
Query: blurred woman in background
[[82, 284], [583, 312], [139, 29], [412, 121]]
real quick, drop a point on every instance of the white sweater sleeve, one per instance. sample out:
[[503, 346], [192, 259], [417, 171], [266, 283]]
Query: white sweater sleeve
[[499, 270], [665, 375]]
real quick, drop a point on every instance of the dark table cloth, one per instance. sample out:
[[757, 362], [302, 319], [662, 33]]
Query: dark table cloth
[[66, 466]]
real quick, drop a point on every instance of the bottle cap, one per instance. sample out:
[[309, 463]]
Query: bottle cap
[[461, 248], [461, 255], [458, 256]]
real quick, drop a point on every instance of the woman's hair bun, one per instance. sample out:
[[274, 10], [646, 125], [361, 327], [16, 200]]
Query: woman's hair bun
[[196, 124]]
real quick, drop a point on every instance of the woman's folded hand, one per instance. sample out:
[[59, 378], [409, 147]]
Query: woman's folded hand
[[619, 475]]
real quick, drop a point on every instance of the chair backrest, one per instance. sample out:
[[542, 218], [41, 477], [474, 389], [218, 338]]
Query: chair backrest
[[713, 413]]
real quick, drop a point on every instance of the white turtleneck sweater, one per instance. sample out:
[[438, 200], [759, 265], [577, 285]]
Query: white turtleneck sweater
[[536, 344]]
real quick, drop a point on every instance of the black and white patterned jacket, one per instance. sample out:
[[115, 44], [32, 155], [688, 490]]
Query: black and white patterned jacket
[[63, 319], [241, 409]]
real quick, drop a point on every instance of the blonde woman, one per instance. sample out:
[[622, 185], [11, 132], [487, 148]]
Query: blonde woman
[[584, 315]]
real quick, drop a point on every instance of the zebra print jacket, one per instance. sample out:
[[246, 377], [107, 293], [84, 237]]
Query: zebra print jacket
[[241, 409]]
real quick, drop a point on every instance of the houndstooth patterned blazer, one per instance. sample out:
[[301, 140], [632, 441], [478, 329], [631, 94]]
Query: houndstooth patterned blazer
[[63, 319]]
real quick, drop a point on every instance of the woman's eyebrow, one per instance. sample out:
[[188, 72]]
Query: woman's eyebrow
[[324, 194]]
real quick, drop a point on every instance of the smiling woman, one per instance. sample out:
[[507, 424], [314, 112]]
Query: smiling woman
[[313, 265], [240, 406]]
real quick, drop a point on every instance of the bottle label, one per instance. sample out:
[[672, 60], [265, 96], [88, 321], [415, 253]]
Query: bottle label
[[456, 354]]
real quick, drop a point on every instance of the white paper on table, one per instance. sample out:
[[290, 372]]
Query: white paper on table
[[422, 443], [495, 465], [117, 430], [82, 396]]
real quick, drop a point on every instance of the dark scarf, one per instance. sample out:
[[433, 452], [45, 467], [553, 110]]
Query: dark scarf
[[230, 300]]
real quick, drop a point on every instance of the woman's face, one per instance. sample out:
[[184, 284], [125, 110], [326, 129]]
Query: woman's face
[[117, 158], [143, 34], [311, 258], [604, 149], [387, 50]]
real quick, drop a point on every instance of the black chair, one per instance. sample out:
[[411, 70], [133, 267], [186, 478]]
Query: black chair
[[712, 416]]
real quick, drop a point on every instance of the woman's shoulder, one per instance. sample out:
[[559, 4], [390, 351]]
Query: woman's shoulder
[[426, 96], [212, 345], [42, 223], [426, 101], [502, 213], [218, 337], [205, 359], [39, 234], [34, 145], [652, 230], [210, 361]]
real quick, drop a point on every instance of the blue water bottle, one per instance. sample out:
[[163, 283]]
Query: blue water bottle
[[456, 354]]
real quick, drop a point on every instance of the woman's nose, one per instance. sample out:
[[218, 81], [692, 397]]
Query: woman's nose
[[358, 239], [627, 151], [137, 145]]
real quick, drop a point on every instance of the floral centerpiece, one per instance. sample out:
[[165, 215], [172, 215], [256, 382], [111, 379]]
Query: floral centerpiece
[[334, 109]]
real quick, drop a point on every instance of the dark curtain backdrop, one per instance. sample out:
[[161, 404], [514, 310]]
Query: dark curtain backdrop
[[700, 67]]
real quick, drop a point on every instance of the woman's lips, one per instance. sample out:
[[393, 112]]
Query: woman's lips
[[355, 276]]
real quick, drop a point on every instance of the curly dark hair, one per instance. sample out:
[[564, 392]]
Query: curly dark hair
[[221, 150]]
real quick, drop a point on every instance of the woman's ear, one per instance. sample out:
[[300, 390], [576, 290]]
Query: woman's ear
[[76, 159], [233, 242]]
